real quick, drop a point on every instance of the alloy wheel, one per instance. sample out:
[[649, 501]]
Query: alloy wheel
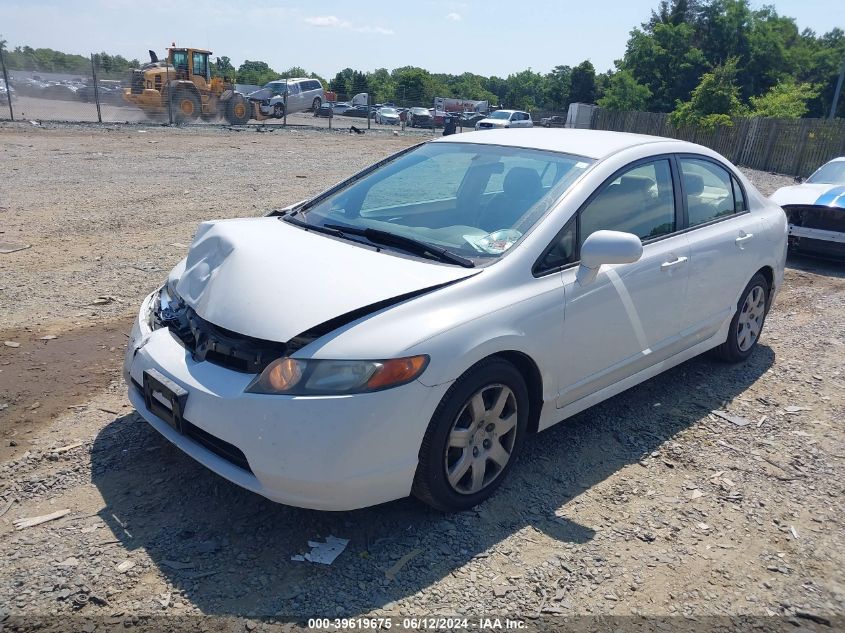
[[751, 318], [481, 439]]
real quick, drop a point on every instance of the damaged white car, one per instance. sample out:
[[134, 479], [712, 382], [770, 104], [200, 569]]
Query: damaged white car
[[405, 331], [815, 210]]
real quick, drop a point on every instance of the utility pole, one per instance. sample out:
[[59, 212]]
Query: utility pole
[[836, 92], [7, 84]]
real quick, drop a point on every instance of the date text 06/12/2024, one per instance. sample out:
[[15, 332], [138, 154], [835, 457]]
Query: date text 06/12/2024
[[417, 624]]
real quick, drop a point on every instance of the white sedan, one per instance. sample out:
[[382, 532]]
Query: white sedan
[[387, 116], [505, 119], [439, 307], [815, 210]]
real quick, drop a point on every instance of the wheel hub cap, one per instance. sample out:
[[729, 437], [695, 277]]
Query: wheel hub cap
[[481, 439], [751, 318]]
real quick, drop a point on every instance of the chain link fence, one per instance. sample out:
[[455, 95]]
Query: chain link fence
[[95, 91]]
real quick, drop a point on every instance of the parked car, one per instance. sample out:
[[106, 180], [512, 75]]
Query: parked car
[[505, 119], [6, 91], [302, 94], [469, 119], [59, 91], [357, 111], [340, 107], [426, 326], [419, 117], [553, 121], [815, 210], [111, 92], [387, 116]]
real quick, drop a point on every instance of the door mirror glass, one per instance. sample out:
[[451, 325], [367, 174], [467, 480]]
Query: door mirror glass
[[607, 247]]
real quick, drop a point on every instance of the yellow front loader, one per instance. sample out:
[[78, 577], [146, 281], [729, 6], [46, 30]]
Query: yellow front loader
[[182, 89]]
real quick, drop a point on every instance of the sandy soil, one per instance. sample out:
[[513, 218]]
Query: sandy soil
[[646, 504]]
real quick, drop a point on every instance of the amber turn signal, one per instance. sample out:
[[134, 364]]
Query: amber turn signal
[[396, 371]]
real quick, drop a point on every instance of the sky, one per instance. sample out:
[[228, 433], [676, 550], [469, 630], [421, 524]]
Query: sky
[[487, 37]]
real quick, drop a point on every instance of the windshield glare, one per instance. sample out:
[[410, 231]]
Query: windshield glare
[[473, 200], [830, 174], [501, 114]]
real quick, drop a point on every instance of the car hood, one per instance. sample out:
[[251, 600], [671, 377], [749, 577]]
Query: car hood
[[497, 122], [811, 194], [264, 278]]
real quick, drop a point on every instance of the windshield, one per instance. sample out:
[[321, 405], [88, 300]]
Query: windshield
[[501, 114], [473, 200], [388, 111], [831, 174]]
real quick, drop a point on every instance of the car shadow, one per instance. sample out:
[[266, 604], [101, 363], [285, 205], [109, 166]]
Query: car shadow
[[229, 551], [819, 265]]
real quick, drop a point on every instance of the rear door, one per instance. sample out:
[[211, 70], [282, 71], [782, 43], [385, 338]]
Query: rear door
[[725, 239]]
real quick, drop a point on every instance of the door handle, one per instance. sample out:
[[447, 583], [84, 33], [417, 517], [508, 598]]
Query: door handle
[[675, 262], [742, 239]]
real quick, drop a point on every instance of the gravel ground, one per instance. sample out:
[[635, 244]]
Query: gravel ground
[[647, 504]]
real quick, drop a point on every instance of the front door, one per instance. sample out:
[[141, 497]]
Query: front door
[[629, 317]]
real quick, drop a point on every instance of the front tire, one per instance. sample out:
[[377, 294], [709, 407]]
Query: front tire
[[185, 107], [237, 110], [474, 437], [747, 322]]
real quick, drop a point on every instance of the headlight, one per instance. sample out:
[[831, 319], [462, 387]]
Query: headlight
[[296, 377]]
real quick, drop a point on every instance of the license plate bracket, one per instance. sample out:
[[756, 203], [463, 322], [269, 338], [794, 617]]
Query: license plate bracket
[[164, 398]]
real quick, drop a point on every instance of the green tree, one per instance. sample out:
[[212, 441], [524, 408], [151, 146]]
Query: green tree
[[667, 61], [714, 101], [786, 100], [558, 86], [359, 83], [625, 93], [381, 85], [583, 83], [526, 90], [413, 86], [222, 67], [255, 73], [342, 82]]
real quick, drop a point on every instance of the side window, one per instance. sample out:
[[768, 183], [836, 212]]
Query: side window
[[293, 88], [560, 252], [639, 201], [200, 64], [739, 197], [709, 191]]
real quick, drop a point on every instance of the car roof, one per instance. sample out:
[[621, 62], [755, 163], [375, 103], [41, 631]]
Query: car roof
[[588, 143], [838, 159]]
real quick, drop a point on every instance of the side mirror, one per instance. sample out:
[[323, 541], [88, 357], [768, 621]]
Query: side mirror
[[607, 247], [799, 179]]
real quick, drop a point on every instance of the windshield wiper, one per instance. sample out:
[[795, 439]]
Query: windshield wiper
[[406, 243], [328, 229]]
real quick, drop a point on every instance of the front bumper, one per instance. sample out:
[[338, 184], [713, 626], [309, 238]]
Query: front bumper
[[325, 453]]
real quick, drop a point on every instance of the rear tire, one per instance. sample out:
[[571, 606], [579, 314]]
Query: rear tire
[[474, 437], [237, 110], [315, 105], [747, 322]]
